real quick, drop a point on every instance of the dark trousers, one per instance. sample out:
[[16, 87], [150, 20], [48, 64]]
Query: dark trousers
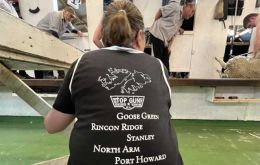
[[40, 74], [160, 51]]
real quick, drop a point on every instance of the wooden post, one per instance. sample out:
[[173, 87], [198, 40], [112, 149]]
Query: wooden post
[[14, 83]]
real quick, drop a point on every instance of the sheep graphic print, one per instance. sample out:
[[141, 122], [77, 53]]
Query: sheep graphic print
[[129, 82]]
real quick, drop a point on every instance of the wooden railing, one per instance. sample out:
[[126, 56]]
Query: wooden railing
[[214, 82]]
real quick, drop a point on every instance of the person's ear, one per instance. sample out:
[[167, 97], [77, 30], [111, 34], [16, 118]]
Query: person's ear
[[139, 42]]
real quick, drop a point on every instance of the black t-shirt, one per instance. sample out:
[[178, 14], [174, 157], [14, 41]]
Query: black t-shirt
[[121, 99]]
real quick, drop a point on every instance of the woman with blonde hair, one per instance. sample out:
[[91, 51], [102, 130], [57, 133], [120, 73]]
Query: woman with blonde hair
[[120, 97], [98, 31]]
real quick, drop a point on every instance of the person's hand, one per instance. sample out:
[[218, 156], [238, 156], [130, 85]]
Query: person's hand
[[169, 51], [80, 34], [181, 31]]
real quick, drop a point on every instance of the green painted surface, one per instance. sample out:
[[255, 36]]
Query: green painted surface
[[23, 141], [219, 142]]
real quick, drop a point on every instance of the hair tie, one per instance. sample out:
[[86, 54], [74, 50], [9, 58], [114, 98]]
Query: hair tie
[[123, 11]]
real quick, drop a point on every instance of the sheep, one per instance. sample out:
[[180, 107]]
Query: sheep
[[240, 67]]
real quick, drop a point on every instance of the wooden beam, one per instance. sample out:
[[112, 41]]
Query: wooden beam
[[173, 82], [214, 82], [17, 61], [43, 82], [13, 82], [236, 100]]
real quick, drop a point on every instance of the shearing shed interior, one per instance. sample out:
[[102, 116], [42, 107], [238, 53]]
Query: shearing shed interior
[[213, 84]]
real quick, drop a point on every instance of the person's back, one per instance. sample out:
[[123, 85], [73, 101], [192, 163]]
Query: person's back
[[124, 114], [169, 23], [120, 97], [44, 23]]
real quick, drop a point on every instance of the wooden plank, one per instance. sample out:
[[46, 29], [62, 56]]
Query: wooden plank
[[13, 82], [256, 100], [16, 61], [44, 85], [43, 82], [33, 44], [173, 82], [214, 82]]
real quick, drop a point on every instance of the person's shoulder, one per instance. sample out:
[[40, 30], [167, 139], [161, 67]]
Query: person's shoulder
[[174, 4], [148, 57], [172, 7], [94, 52]]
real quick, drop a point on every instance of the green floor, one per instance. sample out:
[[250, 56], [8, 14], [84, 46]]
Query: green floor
[[219, 142], [23, 141]]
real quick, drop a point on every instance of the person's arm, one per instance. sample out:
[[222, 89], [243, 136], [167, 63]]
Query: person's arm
[[74, 30], [181, 31], [158, 15], [55, 34], [80, 33], [98, 36], [169, 46], [257, 37], [56, 121], [63, 111]]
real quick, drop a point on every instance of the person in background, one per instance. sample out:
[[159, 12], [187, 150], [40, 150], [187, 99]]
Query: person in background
[[250, 21], [98, 31], [167, 23], [57, 23], [7, 6], [113, 93]]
